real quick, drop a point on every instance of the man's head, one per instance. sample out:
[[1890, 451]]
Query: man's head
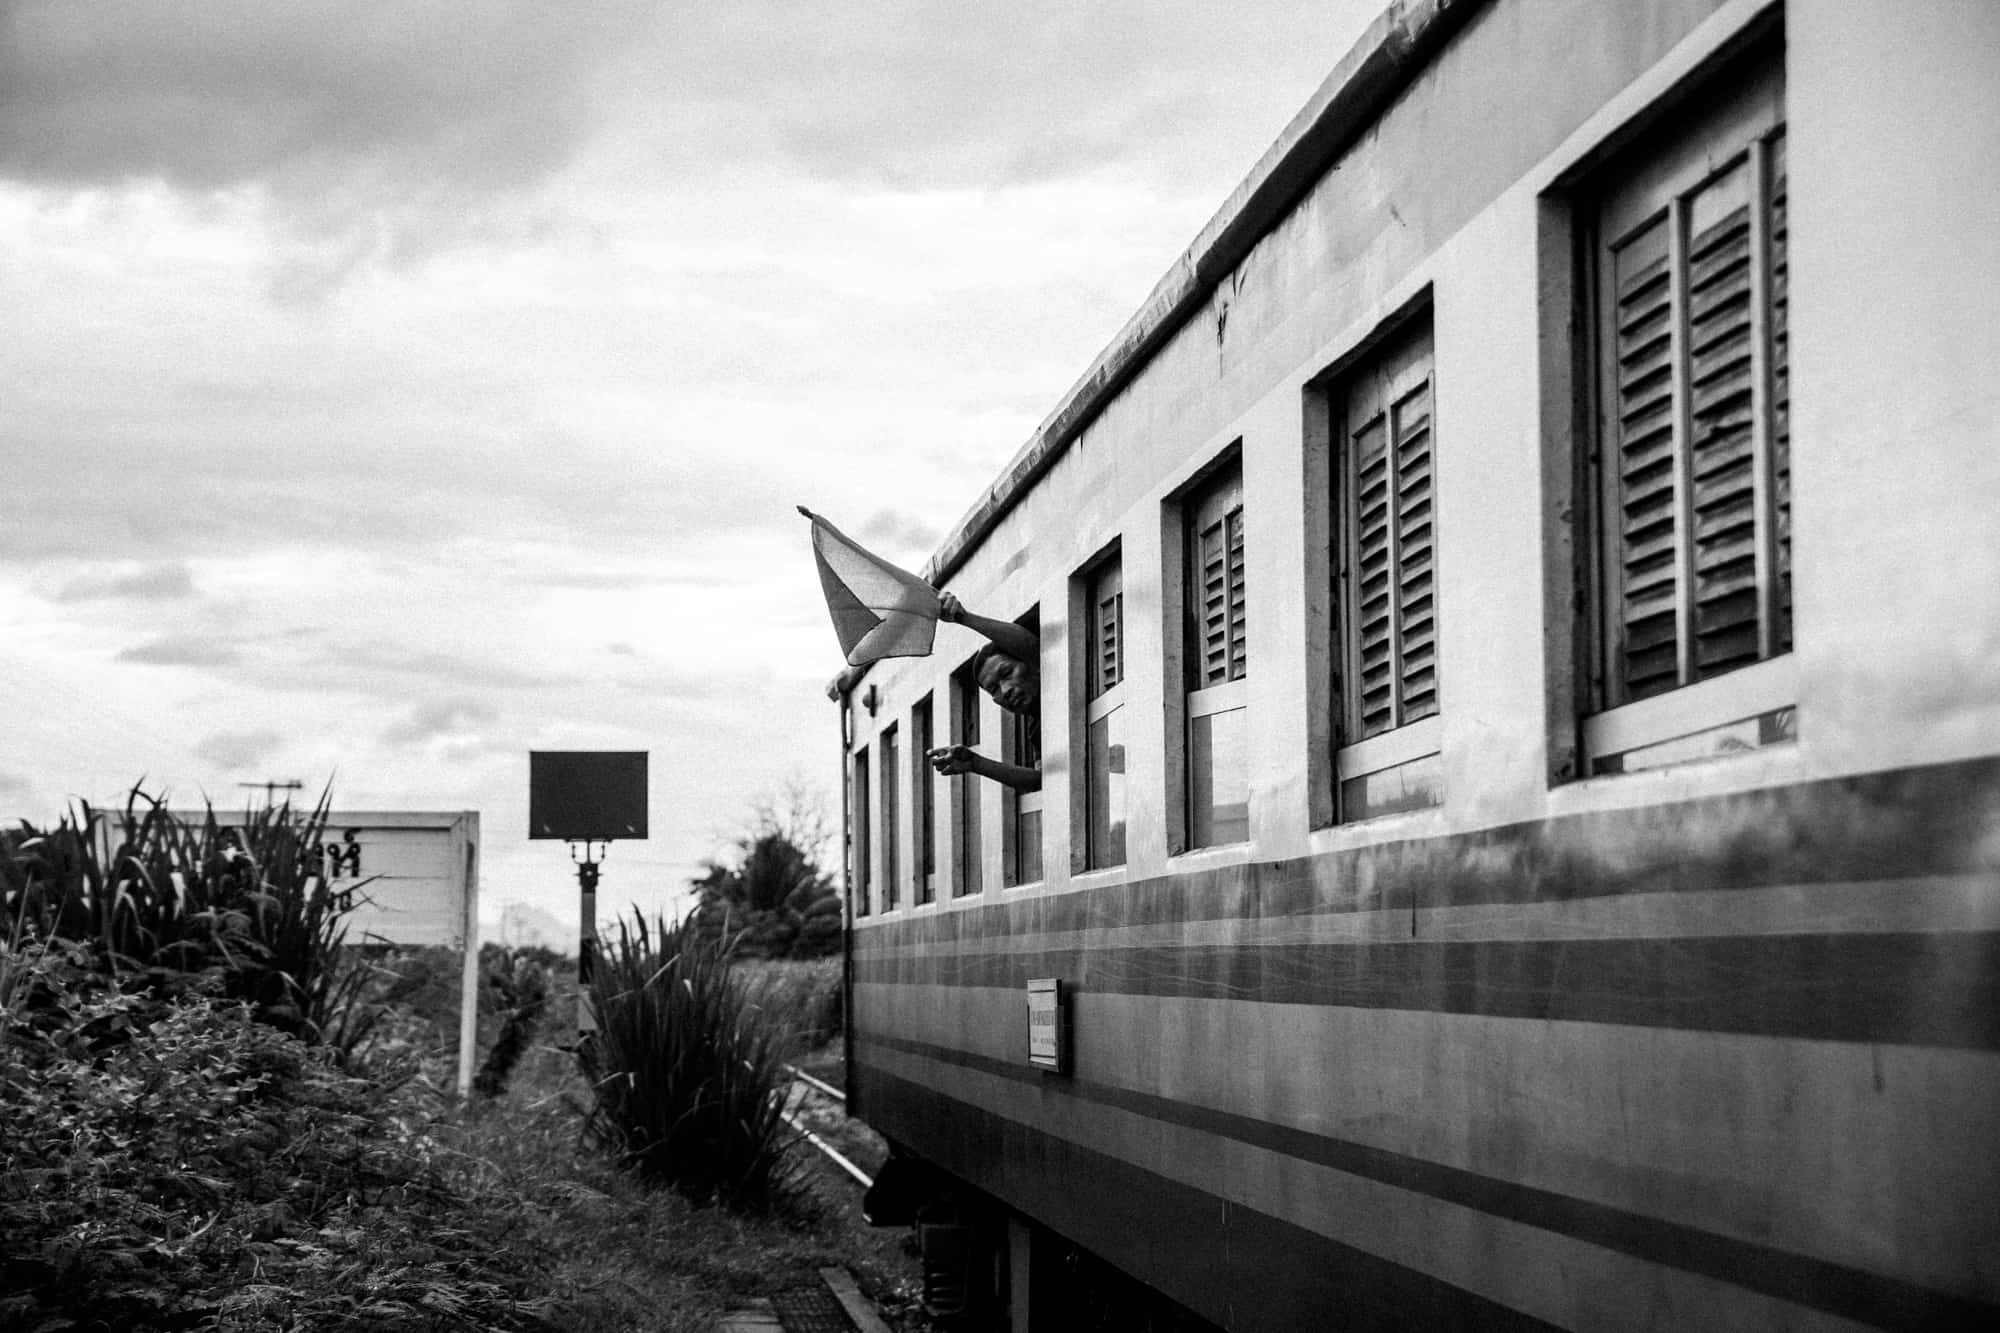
[[1015, 685]]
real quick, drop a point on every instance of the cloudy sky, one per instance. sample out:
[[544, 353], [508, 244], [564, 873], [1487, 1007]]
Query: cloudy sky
[[390, 389]]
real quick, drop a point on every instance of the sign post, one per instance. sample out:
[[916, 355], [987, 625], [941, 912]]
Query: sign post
[[588, 797]]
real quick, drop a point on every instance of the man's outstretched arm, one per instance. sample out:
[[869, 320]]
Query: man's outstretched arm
[[950, 759], [1011, 639]]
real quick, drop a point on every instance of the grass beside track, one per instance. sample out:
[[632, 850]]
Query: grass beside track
[[619, 1256]]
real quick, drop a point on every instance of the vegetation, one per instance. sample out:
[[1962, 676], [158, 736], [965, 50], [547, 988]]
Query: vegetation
[[688, 1079], [213, 1114], [774, 898], [157, 896], [174, 1162], [522, 985]]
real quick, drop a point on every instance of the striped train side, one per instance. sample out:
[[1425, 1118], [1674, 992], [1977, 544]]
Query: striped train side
[[1732, 1060], [1540, 1042]]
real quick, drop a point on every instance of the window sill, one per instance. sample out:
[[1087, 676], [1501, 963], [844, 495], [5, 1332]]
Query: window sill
[[1200, 858], [1743, 712]]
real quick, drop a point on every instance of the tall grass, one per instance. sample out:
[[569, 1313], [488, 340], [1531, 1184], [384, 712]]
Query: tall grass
[[802, 996], [687, 1074], [156, 893]]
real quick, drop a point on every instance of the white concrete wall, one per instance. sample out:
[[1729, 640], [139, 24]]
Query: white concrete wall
[[1896, 159]]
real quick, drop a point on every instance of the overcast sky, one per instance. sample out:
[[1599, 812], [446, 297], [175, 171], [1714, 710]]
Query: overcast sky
[[390, 389]]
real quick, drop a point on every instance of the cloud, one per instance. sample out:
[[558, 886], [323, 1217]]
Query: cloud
[[377, 129], [369, 96], [233, 751], [368, 661], [162, 582], [446, 718], [886, 527], [181, 650], [888, 93], [13, 787], [383, 129]]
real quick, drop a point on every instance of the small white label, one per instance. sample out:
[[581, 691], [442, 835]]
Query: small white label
[[1045, 1024]]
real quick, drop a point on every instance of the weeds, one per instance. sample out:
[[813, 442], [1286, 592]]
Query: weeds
[[167, 1162], [161, 896], [523, 986], [804, 999], [688, 1080]]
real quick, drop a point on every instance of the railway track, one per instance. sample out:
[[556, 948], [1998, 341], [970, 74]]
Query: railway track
[[807, 1090]]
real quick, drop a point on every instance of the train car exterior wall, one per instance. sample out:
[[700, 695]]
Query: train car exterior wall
[[1510, 1037]]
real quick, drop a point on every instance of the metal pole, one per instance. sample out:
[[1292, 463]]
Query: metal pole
[[468, 982], [586, 947], [847, 913]]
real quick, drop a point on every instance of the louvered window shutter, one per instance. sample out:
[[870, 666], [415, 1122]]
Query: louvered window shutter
[[1389, 604], [1219, 561], [1697, 460], [1107, 615]]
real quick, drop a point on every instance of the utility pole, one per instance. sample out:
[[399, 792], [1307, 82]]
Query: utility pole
[[586, 952], [272, 788]]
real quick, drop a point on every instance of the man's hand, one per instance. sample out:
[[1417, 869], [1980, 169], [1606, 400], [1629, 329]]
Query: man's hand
[[843, 682], [950, 608], [951, 759]]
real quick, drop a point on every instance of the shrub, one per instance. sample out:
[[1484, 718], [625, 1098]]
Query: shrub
[[773, 898], [804, 999], [522, 986], [170, 1161], [155, 893], [687, 1073]]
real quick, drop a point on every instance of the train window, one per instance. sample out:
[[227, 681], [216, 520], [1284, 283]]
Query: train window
[[1021, 811], [965, 788], [863, 849], [1383, 562], [1689, 472], [891, 820], [1098, 606], [923, 821], [1215, 654]]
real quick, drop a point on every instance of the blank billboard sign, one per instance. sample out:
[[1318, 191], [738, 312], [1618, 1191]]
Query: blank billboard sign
[[587, 795]]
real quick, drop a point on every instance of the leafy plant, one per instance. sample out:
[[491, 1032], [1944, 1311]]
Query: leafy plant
[[171, 1161], [802, 996], [686, 1070], [156, 893], [774, 898], [522, 985]]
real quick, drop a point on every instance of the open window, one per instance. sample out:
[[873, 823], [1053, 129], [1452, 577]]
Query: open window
[[1021, 811], [863, 842], [923, 789], [1215, 661], [1688, 472], [968, 849], [1097, 605], [891, 820]]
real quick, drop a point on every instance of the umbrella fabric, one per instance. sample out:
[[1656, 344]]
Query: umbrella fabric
[[878, 610]]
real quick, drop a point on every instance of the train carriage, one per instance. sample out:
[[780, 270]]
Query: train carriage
[[1519, 606]]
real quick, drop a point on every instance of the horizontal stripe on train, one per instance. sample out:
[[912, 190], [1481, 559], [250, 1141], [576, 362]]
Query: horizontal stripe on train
[[1235, 1265], [1956, 903], [1787, 1143], [950, 1131], [1911, 988], [1907, 823]]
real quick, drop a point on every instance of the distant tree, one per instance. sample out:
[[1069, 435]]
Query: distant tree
[[773, 894]]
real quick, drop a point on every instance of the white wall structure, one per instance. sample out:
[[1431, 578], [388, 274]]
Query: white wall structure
[[412, 879]]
